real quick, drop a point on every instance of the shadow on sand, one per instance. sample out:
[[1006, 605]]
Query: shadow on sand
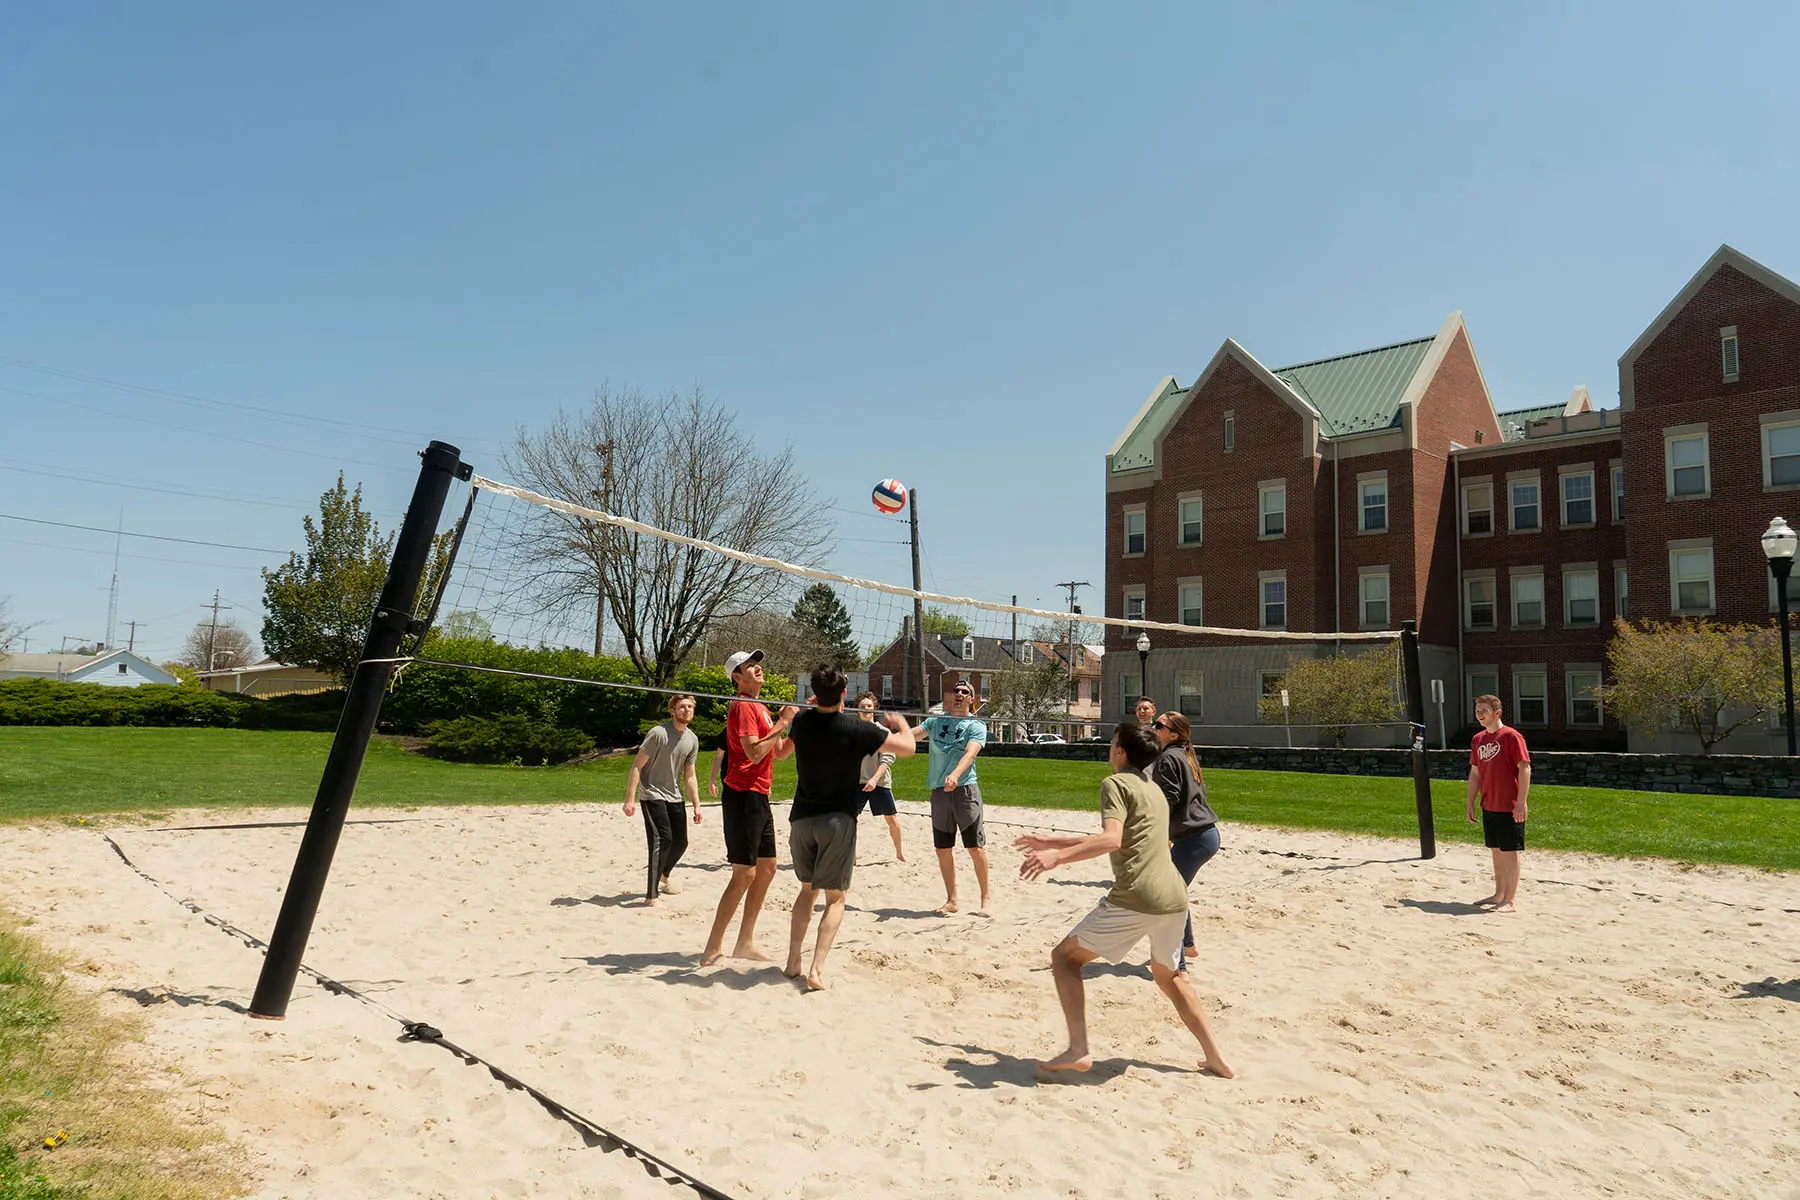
[[1007, 1070]]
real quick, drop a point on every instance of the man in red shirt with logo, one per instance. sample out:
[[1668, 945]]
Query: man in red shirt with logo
[[752, 744], [1500, 773]]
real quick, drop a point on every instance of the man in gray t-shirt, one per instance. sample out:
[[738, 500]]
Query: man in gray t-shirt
[[665, 767]]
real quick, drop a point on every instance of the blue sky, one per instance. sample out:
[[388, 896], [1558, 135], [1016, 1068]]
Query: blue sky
[[953, 244]]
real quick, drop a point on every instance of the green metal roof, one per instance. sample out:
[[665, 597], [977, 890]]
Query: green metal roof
[[1361, 391], [1139, 448], [1514, 424]]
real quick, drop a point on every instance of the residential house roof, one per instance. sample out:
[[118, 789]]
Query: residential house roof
[[50, 665], [991, 654]]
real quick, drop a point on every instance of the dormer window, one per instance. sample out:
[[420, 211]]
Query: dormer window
[[1025, 653], [968, 650]]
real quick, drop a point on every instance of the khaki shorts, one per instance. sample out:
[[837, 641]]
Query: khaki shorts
[[1112, 932], [824, 850]]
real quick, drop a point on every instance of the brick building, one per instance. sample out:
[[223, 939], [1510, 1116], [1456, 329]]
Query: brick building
[[1355, 492]]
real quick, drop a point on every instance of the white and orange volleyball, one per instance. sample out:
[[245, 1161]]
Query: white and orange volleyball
[[890, 496]]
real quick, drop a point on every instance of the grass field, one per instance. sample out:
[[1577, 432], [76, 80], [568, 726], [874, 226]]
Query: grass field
[[50, 772]]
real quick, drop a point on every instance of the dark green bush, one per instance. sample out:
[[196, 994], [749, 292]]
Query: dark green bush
[[508, 738], [58, 702]]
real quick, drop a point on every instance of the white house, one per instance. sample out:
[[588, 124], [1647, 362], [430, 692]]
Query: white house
[[115, 668]]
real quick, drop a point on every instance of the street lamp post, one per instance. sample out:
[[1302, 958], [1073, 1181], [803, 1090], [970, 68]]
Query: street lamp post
[[1778, 543], [1143, 649]]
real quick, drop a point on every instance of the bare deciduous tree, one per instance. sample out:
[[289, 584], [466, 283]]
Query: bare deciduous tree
[[789, 647], [10, 628], [224, 647], [678, 463]]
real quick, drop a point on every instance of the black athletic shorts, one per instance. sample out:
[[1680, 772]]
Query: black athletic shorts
[[881, 802], [749, 826], [957, 809], [1501, 832]]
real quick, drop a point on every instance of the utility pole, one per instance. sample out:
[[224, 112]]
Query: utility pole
[[1074, 611], [604, 496], [132, 645], [912, 508], [112, 597], [212, 631]]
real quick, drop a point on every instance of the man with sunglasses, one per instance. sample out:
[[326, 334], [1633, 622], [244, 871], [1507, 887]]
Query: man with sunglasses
[[956, 738]]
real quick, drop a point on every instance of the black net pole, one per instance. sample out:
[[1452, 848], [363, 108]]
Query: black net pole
[[393, 620], [1415, 712]]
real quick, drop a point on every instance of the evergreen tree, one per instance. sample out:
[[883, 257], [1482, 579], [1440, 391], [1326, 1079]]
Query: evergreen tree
[[820, 609]]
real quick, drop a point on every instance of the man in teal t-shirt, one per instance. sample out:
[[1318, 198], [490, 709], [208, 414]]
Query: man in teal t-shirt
[[956, 738]]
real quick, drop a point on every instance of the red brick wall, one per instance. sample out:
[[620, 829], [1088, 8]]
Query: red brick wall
[[1455, 408]]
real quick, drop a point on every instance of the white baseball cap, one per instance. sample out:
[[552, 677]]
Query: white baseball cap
[[740, 658]]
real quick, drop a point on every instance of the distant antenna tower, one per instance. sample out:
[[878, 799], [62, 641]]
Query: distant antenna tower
[[112, 600]]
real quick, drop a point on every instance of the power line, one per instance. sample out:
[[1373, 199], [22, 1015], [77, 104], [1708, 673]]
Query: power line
[[155, 537], [226, 497], [183, 562]]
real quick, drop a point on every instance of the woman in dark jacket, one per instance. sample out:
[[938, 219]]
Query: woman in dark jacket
[[1193, 826]]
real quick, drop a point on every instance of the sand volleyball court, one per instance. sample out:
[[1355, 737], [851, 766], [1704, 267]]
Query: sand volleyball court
[[1634, 1031]]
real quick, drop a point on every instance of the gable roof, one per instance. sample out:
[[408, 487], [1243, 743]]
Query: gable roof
[[139, 666], [1724, 256], [1359, 391], [991, 654], [44, 664]]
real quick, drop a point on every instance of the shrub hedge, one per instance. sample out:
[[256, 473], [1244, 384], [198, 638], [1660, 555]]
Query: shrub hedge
[[505, 739], [57, 702]]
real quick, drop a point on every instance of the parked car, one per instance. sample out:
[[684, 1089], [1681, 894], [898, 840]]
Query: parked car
[[1046, 739]]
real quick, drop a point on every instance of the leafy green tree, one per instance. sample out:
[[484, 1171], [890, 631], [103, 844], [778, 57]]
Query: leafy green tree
[[1025, 693], [820, 609], [320, 601], [1701, 677], [944, 623], [1337, 692]]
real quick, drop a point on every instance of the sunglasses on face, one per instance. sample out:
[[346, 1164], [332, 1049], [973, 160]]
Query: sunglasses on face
[[1158, 725], [963, 692]]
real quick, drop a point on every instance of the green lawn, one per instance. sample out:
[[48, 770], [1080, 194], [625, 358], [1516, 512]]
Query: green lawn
[[73, 771]]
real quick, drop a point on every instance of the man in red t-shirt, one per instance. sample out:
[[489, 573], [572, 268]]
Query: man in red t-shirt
[[752, 744], [1500, 774]]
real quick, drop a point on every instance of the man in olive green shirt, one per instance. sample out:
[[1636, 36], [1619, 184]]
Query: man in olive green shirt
[[1148, 899]]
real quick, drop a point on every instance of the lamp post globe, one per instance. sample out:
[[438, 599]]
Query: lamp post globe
[[1778, 543], [1143, 649]]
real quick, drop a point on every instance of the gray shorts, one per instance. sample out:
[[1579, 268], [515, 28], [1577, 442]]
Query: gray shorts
[[824, 850], [955, 810]]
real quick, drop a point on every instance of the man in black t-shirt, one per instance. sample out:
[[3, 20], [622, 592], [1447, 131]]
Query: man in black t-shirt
[[829, 747]]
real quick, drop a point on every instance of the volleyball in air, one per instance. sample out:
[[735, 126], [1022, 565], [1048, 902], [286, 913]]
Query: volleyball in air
[[890, 496]]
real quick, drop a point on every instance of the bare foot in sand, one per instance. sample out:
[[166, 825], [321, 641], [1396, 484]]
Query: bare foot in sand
[[814, 983], [751, 953], [1219, 1067], [1505, 908], [1485, 901], [898, 857], [711, 957], [1190, 952], [946, 908], [792, 970], [986, 909], [1068, 1060]]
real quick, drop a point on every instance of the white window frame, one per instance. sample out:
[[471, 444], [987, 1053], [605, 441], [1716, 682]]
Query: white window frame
[[1142, 513], [887, 687], [1621, 591], [1131, 592], [1571, 673], [1515, 481], [1516, 711], [1181, 519], [1365, 577], [968, 649], [1572, 572], [1470, 674], [1265, 489], [1194, 584], [1679, 434], [1230, 431], [1493, 602], [1514, 578], [1676, 578], [1563, 476], [1263, 579], [986, 689], [1616, 473], [1731, 357], [1190, 694], [1027, 653], [1469, 509], [1366, 483], [1131, 686], [1770, 423]]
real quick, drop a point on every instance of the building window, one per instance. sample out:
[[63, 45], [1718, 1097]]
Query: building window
[[1686, 458], [1230, 432], [1578, 498], [1026, 653], [1478, 509], [1192, 612], [1621, 610], [1192, 525], [1374, 589], [1728, 352], [1274, 599], [1269, 686], [1781, 455], [1531, 700], [1135, 518], [1527, 601], [1524, 501], [1372, 504], [1081, 659], [123, 668], [986, 687], [1691, 578], [1479, 681], [1581, 597], [887, 687], [968, 649], [1581, 686], [1271, 502], [1192, 687], [1478, 602], [1134, 604], [1131, 686]]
